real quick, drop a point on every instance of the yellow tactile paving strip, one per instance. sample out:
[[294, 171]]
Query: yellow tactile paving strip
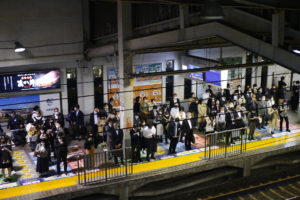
[[65, 182]]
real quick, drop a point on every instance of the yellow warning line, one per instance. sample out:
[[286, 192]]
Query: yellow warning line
[[143, 167]]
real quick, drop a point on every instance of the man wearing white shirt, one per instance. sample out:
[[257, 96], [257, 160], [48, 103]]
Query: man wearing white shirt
[[206, 96], [149, 135], [174, 110]]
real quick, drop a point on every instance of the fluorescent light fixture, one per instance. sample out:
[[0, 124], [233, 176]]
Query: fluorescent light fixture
[[212, 10], [296, 51], [19, 48], [184, 67]]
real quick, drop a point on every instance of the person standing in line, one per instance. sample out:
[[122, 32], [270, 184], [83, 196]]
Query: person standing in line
[[174, 131], [221, 120], [144, 109], [252, 122], [94, 117], [111, 104], [283, 109], [193, 109], [42, 153], [202, 113], [295, 96], [188, 131], [273, 112], [6, 157], [174, 100], [165, 121], [117, 142], [174, 110], [149, 134], [61, 149], [59, 117], [79, 122], [136, 143], [136, 106], [262, 111]]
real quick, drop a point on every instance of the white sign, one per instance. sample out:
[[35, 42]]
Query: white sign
[[49, 102]]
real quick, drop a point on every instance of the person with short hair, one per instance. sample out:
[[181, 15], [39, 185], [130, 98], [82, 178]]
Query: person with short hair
[[42, 153], [6, 153], [283, 109], [61, 150], [144, 109], [174, 132], [58, 116], [187, 129], [252, 122], [79, 122], [117, 142], [174, 100], [149, 133], [136, 143]]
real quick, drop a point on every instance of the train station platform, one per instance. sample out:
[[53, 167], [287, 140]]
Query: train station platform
[[166, 166]]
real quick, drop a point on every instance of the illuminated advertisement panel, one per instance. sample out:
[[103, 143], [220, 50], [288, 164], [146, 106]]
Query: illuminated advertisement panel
[[30, 81]]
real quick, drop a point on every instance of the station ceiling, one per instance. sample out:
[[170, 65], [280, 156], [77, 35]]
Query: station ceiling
[[265, 4]]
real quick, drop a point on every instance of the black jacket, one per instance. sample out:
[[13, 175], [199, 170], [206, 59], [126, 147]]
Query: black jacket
[[117, 138], [79, 118], [186, 128], [60, 119], [60, 147], [135, 137], [172, 103], [92, 118], [171, 129]]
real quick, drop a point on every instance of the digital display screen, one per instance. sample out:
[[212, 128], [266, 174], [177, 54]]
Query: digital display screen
[[213, 77], [30, 81], [197, 76]]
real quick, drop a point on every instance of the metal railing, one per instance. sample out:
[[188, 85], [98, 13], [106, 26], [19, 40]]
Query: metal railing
[[225, 143], [104, 166]]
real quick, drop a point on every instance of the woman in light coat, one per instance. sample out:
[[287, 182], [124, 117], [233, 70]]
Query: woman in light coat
[[274, 119], [202, 113]]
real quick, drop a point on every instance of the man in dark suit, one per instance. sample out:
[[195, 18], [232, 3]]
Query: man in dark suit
[[110, 104], [153, 113], [174, 133], [94, 120], [14, 121], [230, 124], [117, 141], [174, 100], [78, 122], [61, 151], [59, 117], [136, 143], [188, 131], [227, 92]]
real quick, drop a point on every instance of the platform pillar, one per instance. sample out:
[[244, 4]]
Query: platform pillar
[[247, 169]]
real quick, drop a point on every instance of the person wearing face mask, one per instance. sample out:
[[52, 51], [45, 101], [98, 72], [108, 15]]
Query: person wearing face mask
[[79, 122], [136, 143], [174, 131], [248, 97], [273, 112], [165, 121], [274, 93], [144, 109], [259, 94], [41, 152], [136, 120], [159, 126], [5, 157], [223, 101], [61, 149], [283, 109], [58, 116], [153, 112], [89, 146], [193, 109], [252, 121], [242, 100], [239, 120], [187, 129], [94, 117], [174, 100], [99, 137], [206, 96], [202, 113], [149, 133], [221, 120], [117, 142], [174, 110], [238, 91], [104, 112], [262, 111]]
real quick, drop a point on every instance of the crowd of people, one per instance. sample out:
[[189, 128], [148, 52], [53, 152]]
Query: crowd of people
[[216, 111]]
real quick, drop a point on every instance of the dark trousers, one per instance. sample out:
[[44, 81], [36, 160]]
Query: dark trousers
[[188, 141], [136, 152], [286, 122], [118, 153], [78, 131], [252, 130], [173, 144], [61, 157], [95, 129]]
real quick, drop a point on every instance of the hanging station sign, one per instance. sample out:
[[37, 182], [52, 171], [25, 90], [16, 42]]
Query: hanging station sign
[[30, 81]]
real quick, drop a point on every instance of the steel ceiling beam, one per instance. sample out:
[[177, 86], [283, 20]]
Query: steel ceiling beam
[[204, 69]]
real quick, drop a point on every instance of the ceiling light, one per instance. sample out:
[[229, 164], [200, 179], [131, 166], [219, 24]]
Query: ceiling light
[[296, 51], [212, 10], [19, 48]]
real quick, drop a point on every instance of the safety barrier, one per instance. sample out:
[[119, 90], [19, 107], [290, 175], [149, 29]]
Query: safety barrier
[[225, 143], [104, 166]]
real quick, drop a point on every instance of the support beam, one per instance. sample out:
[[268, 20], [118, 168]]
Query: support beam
[[183, 16], [259, 47], [278, 28]]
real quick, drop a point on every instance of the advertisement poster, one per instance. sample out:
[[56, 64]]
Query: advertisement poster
[[31, 81], [150, 87], [234, 75], [24, 105], [113, 86], [196, 76]]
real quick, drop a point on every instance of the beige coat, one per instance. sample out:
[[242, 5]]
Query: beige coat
[[273, 122], [202, 110]]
